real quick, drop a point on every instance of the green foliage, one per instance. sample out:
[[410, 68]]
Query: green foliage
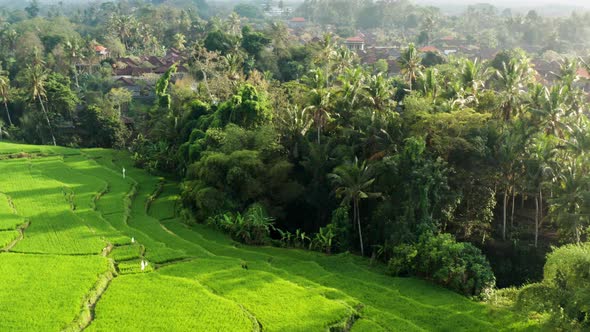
[[248, 108], [219, 41], [458, 266], [101, 129], [248, 10], [252, 228], [324, 240], [253, 42], [164, 99], [566, 271]]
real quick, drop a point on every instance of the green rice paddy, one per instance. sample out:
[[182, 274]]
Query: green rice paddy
[[81, 247]]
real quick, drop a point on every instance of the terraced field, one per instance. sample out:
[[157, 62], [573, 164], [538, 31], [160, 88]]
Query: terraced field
[[82, 247]]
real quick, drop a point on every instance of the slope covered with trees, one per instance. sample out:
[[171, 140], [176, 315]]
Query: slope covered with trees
[[143, 268], [460, 170]]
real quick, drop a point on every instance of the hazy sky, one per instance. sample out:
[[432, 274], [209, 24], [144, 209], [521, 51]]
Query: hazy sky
[[512, 3]]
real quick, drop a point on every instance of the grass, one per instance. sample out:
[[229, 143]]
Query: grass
[[128, 252], [160, 303], [44, 292], [80, 208], [9, 219], [7, 237]]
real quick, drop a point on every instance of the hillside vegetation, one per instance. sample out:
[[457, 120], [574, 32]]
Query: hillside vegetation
[[75, 234]]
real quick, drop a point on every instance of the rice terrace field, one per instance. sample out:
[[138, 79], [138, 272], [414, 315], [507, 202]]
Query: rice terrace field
[[82, 248]]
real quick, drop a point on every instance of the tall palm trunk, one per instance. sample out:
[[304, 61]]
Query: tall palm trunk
[[47, 119], [357, 216], [7, 112], [513, 205], [536, 220], [504, 215], [541, 204], [319, 134]]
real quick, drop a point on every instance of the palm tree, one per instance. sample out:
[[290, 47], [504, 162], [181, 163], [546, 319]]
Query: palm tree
[[179, 41], [429, 83], [569, 205], [379, 94], [122, 26], [319, 100], [540, 170], [551, 108], [233, 24], [293, 123], [73, 52], [410, 63], [568, 72], [352, 85], [352, 182], [4, 90], [509, 157], [37, 77], [3, 131], [512, 81], [325, 56], [279, 36], [473, 76]]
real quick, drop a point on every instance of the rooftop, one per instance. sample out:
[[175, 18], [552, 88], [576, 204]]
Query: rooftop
[[355, 40], [429, 49]]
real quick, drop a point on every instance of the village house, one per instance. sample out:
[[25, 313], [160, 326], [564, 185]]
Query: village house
[[297, 22], [355, 43], [101, 51]]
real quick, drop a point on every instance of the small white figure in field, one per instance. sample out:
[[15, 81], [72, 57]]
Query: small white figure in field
[[123, 172], [132, 239], [144, 264]]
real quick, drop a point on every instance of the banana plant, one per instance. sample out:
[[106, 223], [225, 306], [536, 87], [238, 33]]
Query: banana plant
[[323, 240]]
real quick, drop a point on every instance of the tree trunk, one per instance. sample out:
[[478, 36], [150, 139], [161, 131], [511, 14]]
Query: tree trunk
[[541, 205], [512, 214], [504, 215], [207, 84], [319, 134], [76, 78], [358, 220], [7, 112], [536, 220], [48, 122]]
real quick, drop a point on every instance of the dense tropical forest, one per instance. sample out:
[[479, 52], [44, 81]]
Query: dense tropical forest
[[453, 149]]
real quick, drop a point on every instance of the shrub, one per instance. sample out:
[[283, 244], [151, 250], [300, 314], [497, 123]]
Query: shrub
[[568, 271], [251, 228], [440, 258]]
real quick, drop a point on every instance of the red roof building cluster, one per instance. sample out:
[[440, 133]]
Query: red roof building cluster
[[426, 49]]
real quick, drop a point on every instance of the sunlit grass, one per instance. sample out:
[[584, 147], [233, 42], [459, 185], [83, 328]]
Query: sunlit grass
[[151, 302], [44, 292], [7, 237]]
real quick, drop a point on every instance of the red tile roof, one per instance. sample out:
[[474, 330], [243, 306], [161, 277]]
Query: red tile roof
[[355, 40], [583, 73], [99, 48], [298, 19], [429, 49]]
